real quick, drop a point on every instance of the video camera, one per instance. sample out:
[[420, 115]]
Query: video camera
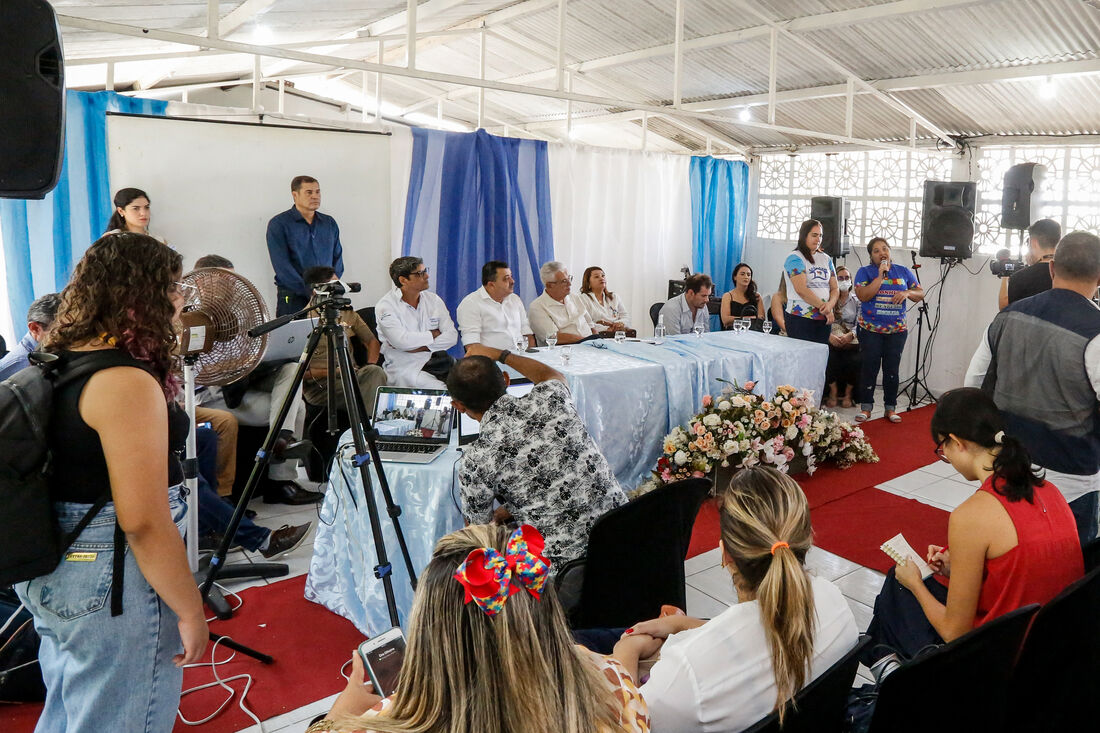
[[1003, 265], [335, 288]]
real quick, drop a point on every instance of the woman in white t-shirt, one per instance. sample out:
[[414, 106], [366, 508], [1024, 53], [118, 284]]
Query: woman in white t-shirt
[[811, 286], [788, 627], [605, 308]]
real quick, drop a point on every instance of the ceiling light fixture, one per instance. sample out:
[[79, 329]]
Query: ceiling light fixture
[[1048, 89], [745, 114]]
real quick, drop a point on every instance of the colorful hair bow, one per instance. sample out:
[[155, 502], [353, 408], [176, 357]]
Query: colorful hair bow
[[490, 577]]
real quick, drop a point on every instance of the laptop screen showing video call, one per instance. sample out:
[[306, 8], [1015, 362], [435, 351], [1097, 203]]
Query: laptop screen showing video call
[[414, 414]]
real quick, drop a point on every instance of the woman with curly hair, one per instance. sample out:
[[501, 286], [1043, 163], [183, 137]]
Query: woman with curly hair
[[120, 614], [489, 652]]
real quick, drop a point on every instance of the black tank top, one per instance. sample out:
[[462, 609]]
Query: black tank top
[[78, 469]]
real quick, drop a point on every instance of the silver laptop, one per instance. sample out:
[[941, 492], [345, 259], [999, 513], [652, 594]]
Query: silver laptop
[[414, 425], [287, 342]]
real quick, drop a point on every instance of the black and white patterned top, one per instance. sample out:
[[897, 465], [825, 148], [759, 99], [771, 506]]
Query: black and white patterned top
[[535, 455]]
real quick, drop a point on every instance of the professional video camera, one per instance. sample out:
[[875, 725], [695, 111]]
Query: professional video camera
[[1004, 265], [335, 288]]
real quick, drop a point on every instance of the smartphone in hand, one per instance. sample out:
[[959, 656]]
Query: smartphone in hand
[[382, 658]]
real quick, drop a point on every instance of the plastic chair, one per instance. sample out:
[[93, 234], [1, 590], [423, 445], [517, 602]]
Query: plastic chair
[[820, 706], [655, 311], [1054, 684], [973, 672], [635, 559]]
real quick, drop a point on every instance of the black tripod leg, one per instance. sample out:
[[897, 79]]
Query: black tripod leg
[[263, 457]]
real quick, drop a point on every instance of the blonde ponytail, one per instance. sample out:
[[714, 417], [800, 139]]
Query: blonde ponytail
[[766, 531]]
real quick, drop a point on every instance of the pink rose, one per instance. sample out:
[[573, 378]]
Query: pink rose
[[707, 400]]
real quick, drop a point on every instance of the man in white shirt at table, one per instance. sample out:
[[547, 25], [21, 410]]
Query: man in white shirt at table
[[556, 310], [689, 309], [412, 324], [493, 315]]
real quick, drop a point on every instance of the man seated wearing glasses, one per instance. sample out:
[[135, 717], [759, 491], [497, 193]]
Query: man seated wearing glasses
[[558, 312], [413, 323]]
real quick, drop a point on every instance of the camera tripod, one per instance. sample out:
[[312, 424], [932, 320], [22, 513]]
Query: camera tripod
[[363, 434]]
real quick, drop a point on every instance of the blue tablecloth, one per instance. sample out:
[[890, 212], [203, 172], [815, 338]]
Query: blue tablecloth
[[341, 573], [777, 360]]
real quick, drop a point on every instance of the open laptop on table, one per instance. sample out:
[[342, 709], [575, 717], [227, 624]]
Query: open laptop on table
[[414, 425], [287, 342]]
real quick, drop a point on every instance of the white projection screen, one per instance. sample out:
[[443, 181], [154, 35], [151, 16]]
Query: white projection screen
[[213, 186]]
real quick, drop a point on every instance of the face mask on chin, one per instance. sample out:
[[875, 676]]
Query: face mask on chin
[[844, 284]]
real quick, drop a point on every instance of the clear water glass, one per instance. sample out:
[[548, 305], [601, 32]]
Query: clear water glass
[[659, 333], [521, 344], [565, 353], [552, 339], [620, 336], [697, 330], [767, 326], [746, 323]]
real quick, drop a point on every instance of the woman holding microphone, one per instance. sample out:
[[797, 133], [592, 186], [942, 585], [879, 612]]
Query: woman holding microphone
[[883, 287]]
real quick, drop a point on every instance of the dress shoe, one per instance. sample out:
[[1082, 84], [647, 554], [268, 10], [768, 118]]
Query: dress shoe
[[288, 492], [285, 539]]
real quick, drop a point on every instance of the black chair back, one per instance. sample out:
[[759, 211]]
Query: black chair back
[[1055, 682], [360, 351], [635, 557], [1091, 551], [654, 311], [971, 674], [821, 705]]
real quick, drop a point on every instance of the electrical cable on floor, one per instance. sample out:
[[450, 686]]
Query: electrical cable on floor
[[219, 682]]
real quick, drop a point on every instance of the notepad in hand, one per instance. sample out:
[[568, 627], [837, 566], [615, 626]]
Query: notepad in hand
[[898, 549]]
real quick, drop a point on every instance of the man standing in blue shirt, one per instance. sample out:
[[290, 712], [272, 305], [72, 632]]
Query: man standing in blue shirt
[[40, 317], [299, 238]]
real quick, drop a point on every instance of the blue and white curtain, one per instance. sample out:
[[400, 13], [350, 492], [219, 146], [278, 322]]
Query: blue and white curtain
[[719, 204], [475, 197], [44, 239]]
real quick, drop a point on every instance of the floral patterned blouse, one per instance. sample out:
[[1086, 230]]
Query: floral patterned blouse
[[634, 715]]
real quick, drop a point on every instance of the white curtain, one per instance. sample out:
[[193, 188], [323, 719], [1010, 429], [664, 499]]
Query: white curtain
[[626, 212], [401, 143]]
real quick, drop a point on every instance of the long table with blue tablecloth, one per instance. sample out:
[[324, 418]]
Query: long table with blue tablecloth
[[629, 394]]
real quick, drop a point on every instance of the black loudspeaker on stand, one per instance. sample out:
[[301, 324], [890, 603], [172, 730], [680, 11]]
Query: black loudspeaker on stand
[[833, 212], [947, 221], [363, 437], [32, 99], [916, 383]]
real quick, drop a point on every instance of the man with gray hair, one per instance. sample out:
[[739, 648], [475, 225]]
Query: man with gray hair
[[40, 317], [1040, 361], [557, 311]]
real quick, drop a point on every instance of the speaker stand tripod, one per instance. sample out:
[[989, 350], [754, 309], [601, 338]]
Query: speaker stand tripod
[[363, 437], [916, 383]]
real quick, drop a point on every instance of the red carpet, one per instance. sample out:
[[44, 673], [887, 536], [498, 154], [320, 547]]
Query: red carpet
[[309, 643], [855, 526], [901, 447]]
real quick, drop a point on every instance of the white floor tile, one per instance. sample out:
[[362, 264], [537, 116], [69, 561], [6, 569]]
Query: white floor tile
[[716, 583], [861, 585], [295, 721], [945, 492], [913, 481], [708, 559], [862, 612], [700, 605], [828, 565]]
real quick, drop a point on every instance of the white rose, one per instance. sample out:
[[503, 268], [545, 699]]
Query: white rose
[[711, 420], [729, 446], [745, 445], [792, 432], [738, 401], [723, 405], [681, 458]]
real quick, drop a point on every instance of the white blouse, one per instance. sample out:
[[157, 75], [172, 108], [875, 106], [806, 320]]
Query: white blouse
[[612, 309], [719, 677]]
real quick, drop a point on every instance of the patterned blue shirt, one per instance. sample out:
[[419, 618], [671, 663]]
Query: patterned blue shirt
[[295, 246]]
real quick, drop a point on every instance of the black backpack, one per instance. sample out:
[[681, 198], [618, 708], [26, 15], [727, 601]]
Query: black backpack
[[31, 542]]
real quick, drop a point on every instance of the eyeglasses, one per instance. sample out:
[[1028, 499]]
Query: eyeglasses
[[185, 288], [567, 279], [939, 451], [419, 273]]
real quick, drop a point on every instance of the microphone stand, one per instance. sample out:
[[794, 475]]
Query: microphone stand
[[363, 436], [913, 383]]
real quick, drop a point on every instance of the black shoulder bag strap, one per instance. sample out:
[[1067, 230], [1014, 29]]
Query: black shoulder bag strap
[[63, 374]]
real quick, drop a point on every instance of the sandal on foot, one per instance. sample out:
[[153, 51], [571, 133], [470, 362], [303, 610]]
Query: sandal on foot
[[894, 417], [862, 416]]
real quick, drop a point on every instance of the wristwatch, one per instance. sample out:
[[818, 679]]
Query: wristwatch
[[503, 356]]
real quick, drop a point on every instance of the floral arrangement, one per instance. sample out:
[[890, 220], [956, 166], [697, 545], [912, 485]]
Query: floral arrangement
[[740, 429]]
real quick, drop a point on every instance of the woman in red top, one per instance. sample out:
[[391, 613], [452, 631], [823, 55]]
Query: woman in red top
[[1012, 543]]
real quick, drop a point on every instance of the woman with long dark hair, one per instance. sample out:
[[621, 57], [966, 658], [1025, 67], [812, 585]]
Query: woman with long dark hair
[[116, 432], [605, 307], [786, 628], [737, 301], [811, 286], [489, 652], [1013, 542], [884, 287], [132, 213]]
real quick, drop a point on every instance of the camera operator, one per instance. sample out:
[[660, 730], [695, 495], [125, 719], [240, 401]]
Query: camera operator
[[1042, 238]]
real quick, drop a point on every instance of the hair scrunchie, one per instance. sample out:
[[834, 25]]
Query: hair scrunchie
[[999, 438], [777, 545]]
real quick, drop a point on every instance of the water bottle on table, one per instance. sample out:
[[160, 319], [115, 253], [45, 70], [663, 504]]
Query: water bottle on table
[[659, 330]]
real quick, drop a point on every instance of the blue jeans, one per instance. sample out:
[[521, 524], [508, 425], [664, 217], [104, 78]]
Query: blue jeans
[[1085, 512], [103, 672], [214, 512], [880, 349]]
